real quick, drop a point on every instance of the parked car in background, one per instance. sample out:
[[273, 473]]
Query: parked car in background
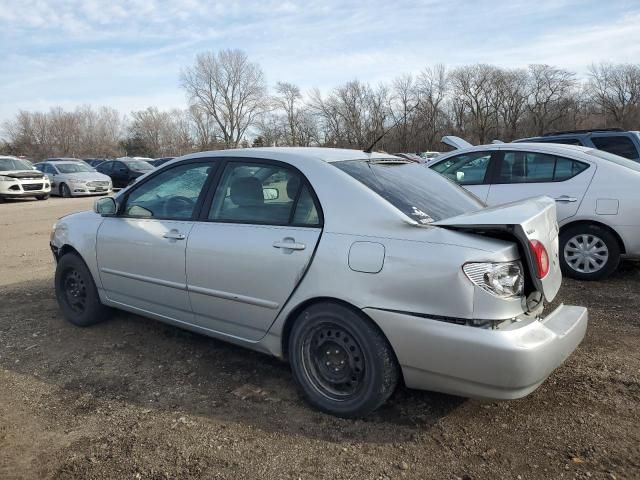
[[124, 171], [412, 157], [94, 162], [156, 162], [613, 140], [596, 193], [362, 270], [70, 179], [19, 179], [67, 159], [427, 156]]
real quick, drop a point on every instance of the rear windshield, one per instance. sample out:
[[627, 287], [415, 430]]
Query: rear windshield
[[625, 162], [416, 191]]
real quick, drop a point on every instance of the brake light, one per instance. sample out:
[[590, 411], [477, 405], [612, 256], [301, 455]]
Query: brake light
[[541, 256]]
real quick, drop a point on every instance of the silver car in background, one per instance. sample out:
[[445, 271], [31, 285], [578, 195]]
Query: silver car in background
[[74, 178], [361, 269], [596, 192]]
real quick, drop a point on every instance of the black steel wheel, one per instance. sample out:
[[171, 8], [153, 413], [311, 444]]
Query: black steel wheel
[[342, 362], [76, 292]]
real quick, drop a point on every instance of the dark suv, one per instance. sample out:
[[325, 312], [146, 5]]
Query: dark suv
[[124, 171], [612, 140]]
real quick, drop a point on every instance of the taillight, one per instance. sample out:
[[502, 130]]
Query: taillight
[[541, 256]]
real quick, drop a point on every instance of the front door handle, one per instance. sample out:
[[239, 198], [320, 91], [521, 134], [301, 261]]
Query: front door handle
[[174, 234], [289, 244], [566, 199]]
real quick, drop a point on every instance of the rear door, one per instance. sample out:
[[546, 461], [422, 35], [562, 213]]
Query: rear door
[[470, 170], [252, 247], [523, 174], [141, 251]]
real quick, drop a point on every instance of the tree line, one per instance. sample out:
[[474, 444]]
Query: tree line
[[230, 105]]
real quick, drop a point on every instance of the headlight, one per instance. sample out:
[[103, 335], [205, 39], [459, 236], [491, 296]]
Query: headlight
[[7, 179], [500, 279]]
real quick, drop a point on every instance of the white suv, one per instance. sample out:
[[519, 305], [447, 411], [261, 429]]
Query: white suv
[[18, 178]]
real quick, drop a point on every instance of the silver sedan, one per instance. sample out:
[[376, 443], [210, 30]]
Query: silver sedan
[[74, 178], [361, 270]]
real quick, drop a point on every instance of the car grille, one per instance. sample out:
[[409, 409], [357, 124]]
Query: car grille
[[28, 187], [99, 183]]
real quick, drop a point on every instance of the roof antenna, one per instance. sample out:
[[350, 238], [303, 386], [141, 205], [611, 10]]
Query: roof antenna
[[368, 150]]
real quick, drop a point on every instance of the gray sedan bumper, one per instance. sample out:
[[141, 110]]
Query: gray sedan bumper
[[472, 362]]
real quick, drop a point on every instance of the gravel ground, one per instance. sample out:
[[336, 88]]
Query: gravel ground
[[136, 399]]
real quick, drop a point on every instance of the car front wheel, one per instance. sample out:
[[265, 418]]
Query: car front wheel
[[588, 252], [342, 362], [65, 191], [76, 292], [42, 197]]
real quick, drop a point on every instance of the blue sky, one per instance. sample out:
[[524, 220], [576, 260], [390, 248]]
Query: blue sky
[[128, 54]]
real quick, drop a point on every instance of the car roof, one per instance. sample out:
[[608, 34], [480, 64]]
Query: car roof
[[324, 154], [62, 162]]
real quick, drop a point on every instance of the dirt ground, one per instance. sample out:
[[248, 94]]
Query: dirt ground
[[136, 399]]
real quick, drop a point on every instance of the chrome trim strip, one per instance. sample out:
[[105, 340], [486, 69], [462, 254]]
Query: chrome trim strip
[[234, 297], [143, 278]]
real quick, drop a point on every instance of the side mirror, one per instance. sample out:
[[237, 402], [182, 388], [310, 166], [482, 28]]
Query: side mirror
[[270, 193], [105, 206]]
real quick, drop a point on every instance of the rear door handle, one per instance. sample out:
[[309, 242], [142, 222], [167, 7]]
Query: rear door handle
[[174, 235], [289, 244], [566, 199]]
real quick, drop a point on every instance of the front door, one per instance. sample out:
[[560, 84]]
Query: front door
[[141, 251], [469, 170], [252, 249], [521, 174]]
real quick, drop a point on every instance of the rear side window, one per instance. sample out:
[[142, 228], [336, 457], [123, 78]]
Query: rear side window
[[618, 145], [532, 167]]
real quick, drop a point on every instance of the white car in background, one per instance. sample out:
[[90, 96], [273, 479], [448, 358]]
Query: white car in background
[[597, 195], [74, 178], [19, 179]]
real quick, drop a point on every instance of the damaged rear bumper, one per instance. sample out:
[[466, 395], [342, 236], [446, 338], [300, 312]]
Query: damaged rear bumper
[[507, 363]]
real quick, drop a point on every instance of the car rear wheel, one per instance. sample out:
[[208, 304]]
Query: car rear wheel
[[341, 361], [588, 252], [65, 191], [76, 292]]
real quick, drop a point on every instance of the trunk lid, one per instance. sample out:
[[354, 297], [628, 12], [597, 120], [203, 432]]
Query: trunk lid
[[526, 220]]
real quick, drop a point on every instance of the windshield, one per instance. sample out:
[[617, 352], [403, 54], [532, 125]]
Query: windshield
[[625, 162], [423, 195], [7, 164], [139, 165], [73, 167]]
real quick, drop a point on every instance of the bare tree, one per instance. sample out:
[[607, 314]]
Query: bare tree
[[550, 93], [511, 86], [431, 90], [230, 88], [287, 98], [615, 89]]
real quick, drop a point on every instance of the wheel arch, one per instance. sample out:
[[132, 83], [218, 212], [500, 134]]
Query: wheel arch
[[295, 312], [604, 226]]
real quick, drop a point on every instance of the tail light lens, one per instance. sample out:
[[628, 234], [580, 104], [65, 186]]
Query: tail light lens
[[541, 256], [504, 280]]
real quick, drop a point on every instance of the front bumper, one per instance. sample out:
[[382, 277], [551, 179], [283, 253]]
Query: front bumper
[[77, 190], [24, 189], [473, 362]]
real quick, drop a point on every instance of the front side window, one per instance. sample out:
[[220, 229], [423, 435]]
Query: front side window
[[465, 169], [412, 188], [533, 167], [105, 167], [618, 145], [263, 194], [171, 194]]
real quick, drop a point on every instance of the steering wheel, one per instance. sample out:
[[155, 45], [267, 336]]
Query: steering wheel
[[178, 204]]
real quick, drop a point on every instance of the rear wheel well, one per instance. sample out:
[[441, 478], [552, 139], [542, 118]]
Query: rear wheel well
[[597, 224], [293, 315]]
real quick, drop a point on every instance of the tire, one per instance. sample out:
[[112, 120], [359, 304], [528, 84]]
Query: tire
[[341, 361], [601, 252], [65, 191], [42, 197], [76, 292]]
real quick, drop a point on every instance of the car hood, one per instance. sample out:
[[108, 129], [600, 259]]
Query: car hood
[[23, 174], [526, 220], [85, 176]]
